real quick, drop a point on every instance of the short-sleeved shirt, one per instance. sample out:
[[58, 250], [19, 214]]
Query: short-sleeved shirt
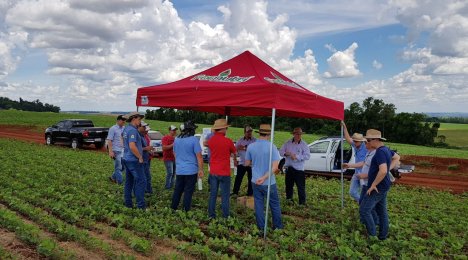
[[207, 138], [300, 149], [382, 155], [186, 150], [359, 155], [131, 135], [221, 149], [144, 143], [244, 142], [259, 154], [115, 136], [365, 167], [168, 155]]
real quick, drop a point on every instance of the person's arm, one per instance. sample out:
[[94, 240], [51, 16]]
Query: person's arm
[[135, 151], [165, 146], [353, 165], [200, 165], [247, 163], [380, 176], [346, 133], [304, 154], [109, 142], [282, 150], [395, 161], [363, 176], [234, 154], [274, 169]]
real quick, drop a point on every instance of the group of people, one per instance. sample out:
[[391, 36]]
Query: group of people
[[373, 162], [130, 148]]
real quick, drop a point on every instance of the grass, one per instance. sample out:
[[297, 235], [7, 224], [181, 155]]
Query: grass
[[42, 120], [455, 134], [424, 224]]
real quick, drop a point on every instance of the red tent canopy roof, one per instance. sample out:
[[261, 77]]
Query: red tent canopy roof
[[241, 86]]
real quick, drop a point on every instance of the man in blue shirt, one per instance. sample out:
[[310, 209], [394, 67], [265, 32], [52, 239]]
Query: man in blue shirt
[[258, 157], [357, 143], [378, 185], [115, 147], [135, 181], [296, 153]]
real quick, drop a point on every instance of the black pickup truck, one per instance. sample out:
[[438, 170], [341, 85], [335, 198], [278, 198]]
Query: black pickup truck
[[76, 132]]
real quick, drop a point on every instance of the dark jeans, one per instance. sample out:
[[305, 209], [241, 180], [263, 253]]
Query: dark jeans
[[378, 202], [184, 184], [241, 169], [260, 193], [298, 177], [225, 183], [149, 186], [135, 182]]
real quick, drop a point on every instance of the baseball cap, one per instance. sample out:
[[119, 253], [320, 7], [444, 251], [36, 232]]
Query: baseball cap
[[172, 128], [143, 123], [132, 115]]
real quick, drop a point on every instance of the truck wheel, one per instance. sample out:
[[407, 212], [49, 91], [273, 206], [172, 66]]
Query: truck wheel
[[75, 144], [49, 140], [99, 145]]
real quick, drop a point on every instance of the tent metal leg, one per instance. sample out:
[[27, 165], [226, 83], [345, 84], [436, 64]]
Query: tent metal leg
[[272, 137], [341, 167]]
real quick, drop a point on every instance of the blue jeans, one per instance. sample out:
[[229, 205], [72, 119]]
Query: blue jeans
[[374, 213], [225, 183], [354, 188], [184, 184], [170, 174], [135, 182], [260, 193], [378, 202], [118, 167], [149, 187]]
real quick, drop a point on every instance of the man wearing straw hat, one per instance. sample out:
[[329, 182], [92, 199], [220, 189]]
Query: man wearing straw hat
[[357, 143], [135, 181], [296, 152], [258, 156], [378, 185], [222, 148]]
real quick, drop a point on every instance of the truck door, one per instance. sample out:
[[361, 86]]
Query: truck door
[[57, 131], [319, 159]]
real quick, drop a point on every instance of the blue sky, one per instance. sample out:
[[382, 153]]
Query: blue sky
[[87, 55]]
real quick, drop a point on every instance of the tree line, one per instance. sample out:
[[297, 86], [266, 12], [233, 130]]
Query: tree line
[[409, 128], [36, 105]]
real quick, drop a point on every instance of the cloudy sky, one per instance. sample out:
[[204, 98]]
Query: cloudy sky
[[93, 55]]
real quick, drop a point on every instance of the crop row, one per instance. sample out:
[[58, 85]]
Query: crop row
[[71, 187]]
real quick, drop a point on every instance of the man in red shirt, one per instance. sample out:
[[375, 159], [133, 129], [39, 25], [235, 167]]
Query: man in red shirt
[[168, 156], [221, 148]]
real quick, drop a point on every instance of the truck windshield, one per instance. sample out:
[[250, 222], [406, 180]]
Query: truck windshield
[[83, 124]]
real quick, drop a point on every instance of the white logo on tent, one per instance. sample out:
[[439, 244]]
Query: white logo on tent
[[144, 100]]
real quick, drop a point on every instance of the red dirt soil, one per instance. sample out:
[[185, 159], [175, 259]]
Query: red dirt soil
[[430, 172]]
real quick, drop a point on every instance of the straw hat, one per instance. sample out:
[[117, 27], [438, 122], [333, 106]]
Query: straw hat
[[220, 124], [264, 129], [132, 115], [358, 137], [374, 134], [297, 130]]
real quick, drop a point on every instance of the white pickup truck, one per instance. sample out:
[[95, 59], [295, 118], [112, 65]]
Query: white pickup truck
[[325, 157]]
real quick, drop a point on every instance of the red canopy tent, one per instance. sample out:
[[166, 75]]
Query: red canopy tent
[[243, 86]]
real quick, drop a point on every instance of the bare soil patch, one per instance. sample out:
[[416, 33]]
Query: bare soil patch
[[12, 244]]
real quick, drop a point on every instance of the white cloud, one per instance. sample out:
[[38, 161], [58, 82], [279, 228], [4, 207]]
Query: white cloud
[[109, 50], [377, 65], [342, 64]]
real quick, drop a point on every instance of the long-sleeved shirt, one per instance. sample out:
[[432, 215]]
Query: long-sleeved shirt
[[300, 149], [241, 152]]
